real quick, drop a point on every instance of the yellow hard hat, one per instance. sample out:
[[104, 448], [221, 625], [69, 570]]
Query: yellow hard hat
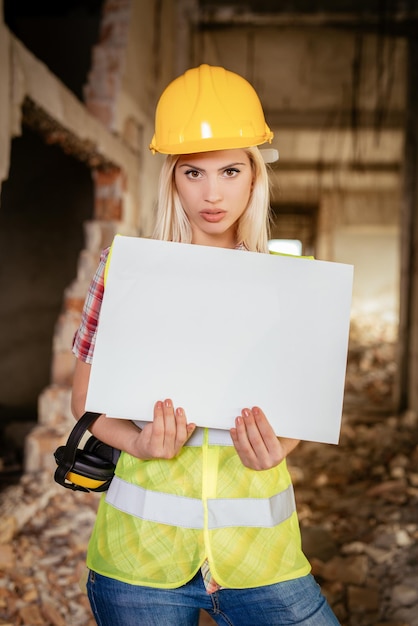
[[208, 108]]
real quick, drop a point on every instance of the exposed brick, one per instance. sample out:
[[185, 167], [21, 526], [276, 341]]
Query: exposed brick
[[108, 208], [74, 304], [104, 79], [63, 368], [109, 189], [54, 406], [65, 329], [104, 111], [39, 448]]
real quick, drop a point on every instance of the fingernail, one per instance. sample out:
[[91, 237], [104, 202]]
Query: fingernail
[[246, 413], [168, 403]]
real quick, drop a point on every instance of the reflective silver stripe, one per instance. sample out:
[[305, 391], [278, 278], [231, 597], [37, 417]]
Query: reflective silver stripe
[[155, 506], [189, 513], [217, 436], [263, 512]]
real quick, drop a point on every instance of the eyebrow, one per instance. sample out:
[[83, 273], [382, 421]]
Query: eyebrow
[[224, 167]]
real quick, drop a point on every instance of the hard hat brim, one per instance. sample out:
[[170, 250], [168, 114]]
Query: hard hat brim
[[210, 144]]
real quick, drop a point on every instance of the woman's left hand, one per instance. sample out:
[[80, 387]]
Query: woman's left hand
[[256, 443]]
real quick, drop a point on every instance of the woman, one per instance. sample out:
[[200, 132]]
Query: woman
[[196, 518]]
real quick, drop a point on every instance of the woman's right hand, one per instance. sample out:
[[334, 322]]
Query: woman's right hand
[[164, 437]]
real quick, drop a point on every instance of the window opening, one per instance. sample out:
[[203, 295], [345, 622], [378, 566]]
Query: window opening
[[286, 246]]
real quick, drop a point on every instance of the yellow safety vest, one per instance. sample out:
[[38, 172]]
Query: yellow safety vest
[[161, 519]]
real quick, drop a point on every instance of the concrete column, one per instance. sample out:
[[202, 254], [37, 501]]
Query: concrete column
[[406, 391], [5, 98]]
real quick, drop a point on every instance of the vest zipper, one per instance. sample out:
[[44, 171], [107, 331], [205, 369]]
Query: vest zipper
[[210, 460]]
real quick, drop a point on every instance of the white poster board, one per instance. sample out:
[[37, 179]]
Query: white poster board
[[219, 330]]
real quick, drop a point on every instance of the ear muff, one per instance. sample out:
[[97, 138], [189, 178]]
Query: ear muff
[[89, 469]]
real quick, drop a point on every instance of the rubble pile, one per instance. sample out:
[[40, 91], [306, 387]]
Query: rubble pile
[[44, 531], [357, 503], [371, 365]]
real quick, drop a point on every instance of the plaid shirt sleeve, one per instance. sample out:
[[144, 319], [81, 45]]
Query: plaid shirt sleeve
[[85, 337]]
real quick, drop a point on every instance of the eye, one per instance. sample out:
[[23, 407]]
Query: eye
[[230, 172], [193, 174]]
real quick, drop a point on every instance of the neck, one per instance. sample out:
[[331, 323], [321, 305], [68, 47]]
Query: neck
[[226, 240]]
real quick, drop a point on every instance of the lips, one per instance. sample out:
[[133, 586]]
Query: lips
[[212, 216]]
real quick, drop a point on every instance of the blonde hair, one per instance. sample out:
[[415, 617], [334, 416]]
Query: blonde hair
[[172, 223]]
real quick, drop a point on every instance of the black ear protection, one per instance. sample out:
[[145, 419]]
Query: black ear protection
[[90, 468]]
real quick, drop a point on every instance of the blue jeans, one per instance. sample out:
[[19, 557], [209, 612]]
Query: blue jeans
[[292, 602]]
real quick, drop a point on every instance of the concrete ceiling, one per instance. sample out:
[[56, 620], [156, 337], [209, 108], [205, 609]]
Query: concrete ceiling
[[396, 17]]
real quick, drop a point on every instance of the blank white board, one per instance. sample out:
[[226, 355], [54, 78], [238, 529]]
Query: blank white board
[[218, 330]]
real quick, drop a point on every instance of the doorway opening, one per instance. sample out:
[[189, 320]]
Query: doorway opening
[[44, 203]]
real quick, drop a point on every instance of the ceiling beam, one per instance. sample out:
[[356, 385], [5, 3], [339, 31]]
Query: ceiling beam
[[400, 24]]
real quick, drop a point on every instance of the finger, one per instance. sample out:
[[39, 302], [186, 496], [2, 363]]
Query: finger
[[245, 453], [177, 429], [251, 429], [252, 443], [271, 450], [170, 423], [158, 421], [181, 426], [184, 430], [241, 440], [190, 430], [264, 428]]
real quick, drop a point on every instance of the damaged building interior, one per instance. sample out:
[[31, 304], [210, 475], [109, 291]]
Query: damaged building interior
[[339, 85]]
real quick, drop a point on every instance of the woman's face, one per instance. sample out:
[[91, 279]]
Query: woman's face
[[214, 190]]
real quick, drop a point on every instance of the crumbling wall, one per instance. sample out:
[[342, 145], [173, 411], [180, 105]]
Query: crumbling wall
[[38, 99], [5, 103]]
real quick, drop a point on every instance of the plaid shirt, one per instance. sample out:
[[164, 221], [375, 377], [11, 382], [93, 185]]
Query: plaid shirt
[[85, 337]]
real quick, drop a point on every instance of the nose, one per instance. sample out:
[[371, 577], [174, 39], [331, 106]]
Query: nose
[[213, 190]]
